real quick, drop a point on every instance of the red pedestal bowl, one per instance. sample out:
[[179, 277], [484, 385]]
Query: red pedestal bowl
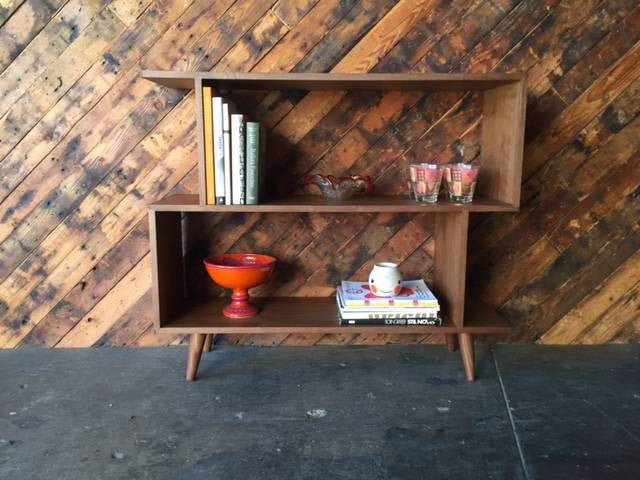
[[240, 272]]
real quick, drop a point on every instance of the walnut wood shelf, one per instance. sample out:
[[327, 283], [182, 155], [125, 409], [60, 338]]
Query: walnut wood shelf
[[312, 315], [333, 81], [501, 141], [314, 203]]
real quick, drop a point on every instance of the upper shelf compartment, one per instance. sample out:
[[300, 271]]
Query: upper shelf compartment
[[504, 100], [333, 81]]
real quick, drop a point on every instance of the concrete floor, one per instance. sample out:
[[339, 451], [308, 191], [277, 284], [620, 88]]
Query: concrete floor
[[324, 412]]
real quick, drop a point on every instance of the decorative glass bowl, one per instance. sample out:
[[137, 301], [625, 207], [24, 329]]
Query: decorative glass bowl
[[334, 188]]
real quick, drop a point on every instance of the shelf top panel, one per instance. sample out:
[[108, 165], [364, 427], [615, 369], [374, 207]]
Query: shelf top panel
[[312, 315], [318, 204], [332, 81]]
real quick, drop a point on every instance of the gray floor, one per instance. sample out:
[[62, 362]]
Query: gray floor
[[354, 412]]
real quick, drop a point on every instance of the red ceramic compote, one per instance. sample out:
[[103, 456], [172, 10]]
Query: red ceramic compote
[[240, 272]]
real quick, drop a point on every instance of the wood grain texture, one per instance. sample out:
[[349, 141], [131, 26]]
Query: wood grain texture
[[309, 316], [318, 204], [468, 355], [196, 344], [450, 263], [86, 144]]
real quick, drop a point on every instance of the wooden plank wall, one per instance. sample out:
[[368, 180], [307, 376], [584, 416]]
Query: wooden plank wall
[[85, 143]]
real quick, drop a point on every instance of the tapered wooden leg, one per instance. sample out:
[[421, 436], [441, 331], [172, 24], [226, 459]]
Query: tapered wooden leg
[[452, 341], [468, 357], [208, 342], [196, 342]]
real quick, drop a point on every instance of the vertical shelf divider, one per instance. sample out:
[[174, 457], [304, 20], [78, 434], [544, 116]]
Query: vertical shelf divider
[[450, 272], [450, 263]]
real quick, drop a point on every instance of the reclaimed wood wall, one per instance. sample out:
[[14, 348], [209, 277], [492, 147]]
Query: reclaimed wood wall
[[85, 143]]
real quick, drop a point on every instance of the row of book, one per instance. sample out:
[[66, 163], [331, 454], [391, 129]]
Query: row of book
[[414, 305], [233, 153]]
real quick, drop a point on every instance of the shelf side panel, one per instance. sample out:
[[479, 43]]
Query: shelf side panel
[[450, 263], [503, 142], [167, 272]]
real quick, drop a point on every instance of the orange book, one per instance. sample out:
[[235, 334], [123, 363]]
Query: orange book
[[207, 94]]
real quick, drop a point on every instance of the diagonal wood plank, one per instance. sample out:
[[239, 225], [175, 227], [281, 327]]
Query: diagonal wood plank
[[8, 8], [40, 308], [240, 57], [52, 40], [118, 62], [595, 305], [108, 141], [150, 105], [25, 23]]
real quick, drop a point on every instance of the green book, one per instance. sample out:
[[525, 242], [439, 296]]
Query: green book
[[253, 162]]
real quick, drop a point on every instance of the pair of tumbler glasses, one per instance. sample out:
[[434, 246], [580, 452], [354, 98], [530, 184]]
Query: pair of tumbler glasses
[[459, 180]]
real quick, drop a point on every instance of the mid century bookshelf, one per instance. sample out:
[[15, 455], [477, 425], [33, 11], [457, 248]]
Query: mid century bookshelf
[[504, 101]]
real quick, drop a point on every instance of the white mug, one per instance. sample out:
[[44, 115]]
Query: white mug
[[385, 280]]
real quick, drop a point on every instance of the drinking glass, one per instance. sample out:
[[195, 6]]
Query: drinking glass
[[425, 181], [460, 181]]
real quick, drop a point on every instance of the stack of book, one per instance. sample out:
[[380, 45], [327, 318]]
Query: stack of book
[[233, 153], [415, 305]]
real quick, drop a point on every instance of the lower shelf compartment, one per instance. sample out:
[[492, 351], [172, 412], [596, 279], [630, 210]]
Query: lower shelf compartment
[[313, 315]]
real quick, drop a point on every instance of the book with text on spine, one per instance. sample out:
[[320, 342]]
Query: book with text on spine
[[414, 293], [227, 110], [262, 163], [218, 150], [382, 313], [238, 165], [428, 321], [253, 162], [207, 125]]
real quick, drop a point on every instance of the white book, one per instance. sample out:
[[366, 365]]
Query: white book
[[226, 142], [218, 150], [237, 159], [415, 293]]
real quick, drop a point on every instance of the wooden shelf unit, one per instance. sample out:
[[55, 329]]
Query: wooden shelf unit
[[504, 102]]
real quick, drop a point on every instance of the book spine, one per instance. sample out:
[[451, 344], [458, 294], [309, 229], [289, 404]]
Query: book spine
[[218, 150], [253, 139], [237, 159], [226, 143], [370, 304], [207, 114], [262, 155], [351, 315], [242, 181], [416, 294], [436, 322]]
